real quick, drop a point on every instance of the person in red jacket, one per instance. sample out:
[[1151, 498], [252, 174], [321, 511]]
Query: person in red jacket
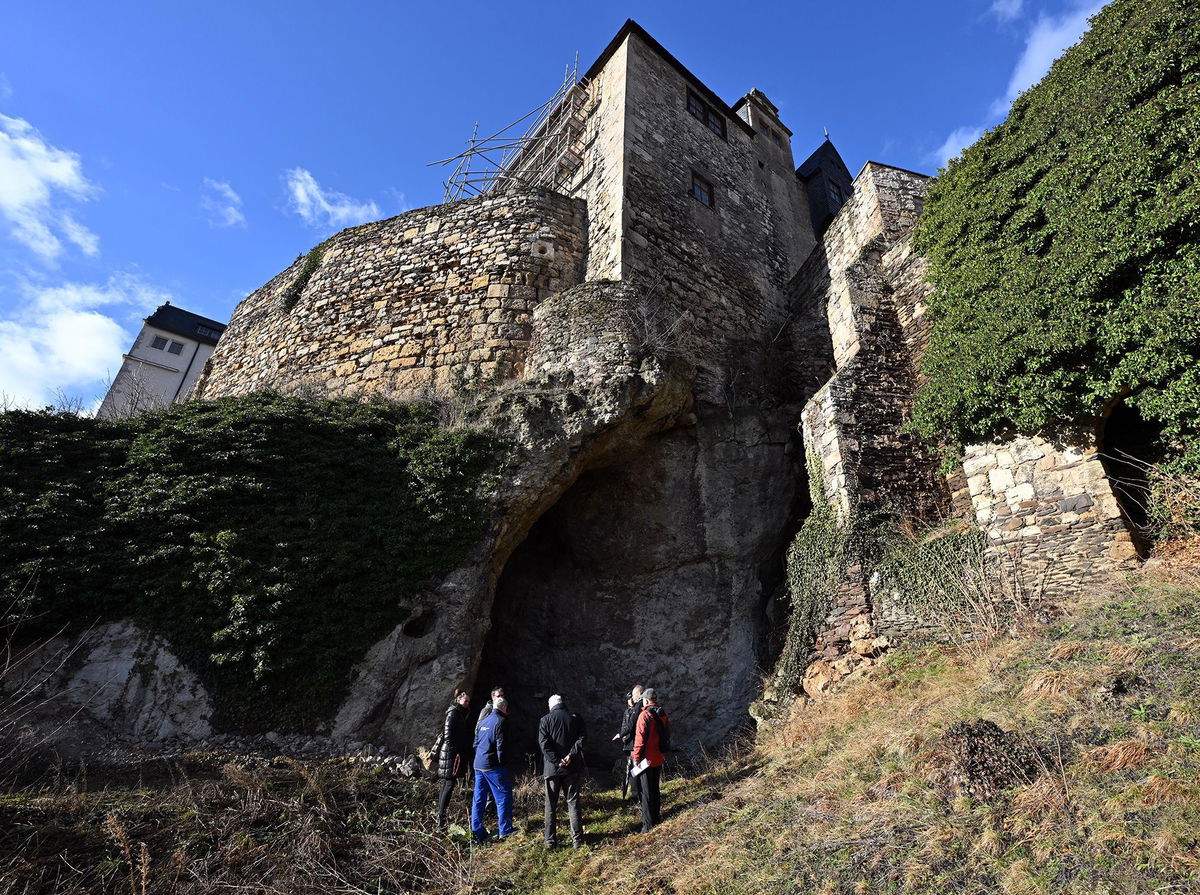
[[652, 739]]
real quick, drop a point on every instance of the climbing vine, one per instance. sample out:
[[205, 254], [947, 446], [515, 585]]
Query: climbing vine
[[271, 539], [1065, 245], [816, 566]]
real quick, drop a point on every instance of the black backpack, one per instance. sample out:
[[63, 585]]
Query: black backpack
[[664, 732]]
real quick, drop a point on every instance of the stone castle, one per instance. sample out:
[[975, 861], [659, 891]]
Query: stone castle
[[672, 316]]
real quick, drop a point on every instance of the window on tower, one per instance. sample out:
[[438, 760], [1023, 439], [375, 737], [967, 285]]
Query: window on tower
[[702, 191]]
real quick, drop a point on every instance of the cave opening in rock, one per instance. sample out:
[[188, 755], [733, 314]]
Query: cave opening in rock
[[660, 571], [1129, 446]]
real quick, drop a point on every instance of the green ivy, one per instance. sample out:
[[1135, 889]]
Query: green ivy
[[816, 566], [271, 539], [291, 295], [1065, 245]]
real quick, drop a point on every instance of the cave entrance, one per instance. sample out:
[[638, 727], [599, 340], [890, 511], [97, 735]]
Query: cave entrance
[[656, 571], [1129, 446]]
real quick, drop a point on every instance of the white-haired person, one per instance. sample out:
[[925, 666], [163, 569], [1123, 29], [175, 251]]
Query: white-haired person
[[561, 734]]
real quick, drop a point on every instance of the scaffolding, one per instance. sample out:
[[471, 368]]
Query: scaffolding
[[546, 153]]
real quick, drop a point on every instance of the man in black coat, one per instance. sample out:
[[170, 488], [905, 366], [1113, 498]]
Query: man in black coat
[[633, 708], [454, 750], [560, 735]]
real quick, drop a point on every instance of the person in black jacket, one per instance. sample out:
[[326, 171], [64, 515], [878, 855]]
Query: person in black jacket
[[454, 750], [560, 735], [497, 693], [633, 708]]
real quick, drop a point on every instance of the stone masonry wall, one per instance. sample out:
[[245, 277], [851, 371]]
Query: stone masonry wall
[[855, 423], [600, 180], [1047, 509], [407, 304], [1050, 511], [723, 269]]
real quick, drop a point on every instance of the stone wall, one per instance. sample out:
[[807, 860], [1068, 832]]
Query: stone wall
[[407, 304], [1047, 510], [721, 270], [1051, 512], [855, 424]]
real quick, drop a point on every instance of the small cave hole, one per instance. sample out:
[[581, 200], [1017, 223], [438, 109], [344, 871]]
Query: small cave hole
[[420, 624]]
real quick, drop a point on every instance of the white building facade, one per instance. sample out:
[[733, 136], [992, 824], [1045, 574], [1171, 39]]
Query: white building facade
[[163, 363]]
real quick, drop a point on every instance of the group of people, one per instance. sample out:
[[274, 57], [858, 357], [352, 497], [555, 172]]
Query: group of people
[[459, 748]]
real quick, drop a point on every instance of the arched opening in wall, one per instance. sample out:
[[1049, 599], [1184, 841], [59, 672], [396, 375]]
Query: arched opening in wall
[[1129, 446], [657, 571]]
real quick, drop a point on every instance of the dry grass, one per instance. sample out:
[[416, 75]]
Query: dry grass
[[1053, 685], [1068, 649], [1119, 756], [839, 795], [1127, 654]]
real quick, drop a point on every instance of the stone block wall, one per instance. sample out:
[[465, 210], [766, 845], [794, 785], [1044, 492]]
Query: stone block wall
[[1050, 511], [1047, 510], [855, 424], [408, 304], [722, 269]]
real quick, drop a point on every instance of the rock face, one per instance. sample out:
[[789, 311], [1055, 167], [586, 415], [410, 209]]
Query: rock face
[[655, 570], [117, 676], [562, 424]]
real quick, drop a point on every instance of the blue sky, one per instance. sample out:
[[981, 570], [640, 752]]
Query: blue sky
[[187, 151]]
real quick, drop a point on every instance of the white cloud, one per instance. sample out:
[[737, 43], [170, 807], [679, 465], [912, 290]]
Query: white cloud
[[1006, 10], [223, 204], [318, 207], [960, 138], [1048, 39], [34, 178], [69, 338]]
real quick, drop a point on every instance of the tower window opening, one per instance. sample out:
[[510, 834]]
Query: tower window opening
[[702, 191], [705, 113]]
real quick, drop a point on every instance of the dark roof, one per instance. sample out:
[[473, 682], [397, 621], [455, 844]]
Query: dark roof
[[185, 323], [632, 27], [826, 153]]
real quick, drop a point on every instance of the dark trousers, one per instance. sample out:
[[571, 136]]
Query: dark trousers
[[444, 799], [569, 785], [635, 791], [648, 781]]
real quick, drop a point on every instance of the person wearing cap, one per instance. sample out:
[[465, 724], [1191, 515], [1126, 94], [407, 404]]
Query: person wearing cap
[[652, 739], [560, 735]]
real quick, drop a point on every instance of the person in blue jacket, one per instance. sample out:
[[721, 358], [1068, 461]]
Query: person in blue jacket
[[490, 774]]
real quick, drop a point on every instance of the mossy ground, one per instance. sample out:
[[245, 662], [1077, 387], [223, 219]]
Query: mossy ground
[[846, 794]]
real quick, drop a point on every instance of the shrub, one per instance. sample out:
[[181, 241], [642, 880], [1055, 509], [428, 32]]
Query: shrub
[[271, 539]]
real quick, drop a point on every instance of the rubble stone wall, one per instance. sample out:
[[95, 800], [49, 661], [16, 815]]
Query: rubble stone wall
[[1050, 511], [407, 304]]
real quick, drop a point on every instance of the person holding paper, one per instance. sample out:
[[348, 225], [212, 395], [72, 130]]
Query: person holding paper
[[652, 739]]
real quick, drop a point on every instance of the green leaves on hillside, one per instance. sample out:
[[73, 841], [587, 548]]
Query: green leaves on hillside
[[271, 539], [1065, 244]]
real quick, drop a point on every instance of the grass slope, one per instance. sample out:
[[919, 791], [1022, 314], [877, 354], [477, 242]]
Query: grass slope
[[852, 793]]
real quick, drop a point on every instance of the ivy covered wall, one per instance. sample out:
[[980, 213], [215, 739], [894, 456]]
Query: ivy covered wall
[[271, 539], [1065, 245]]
